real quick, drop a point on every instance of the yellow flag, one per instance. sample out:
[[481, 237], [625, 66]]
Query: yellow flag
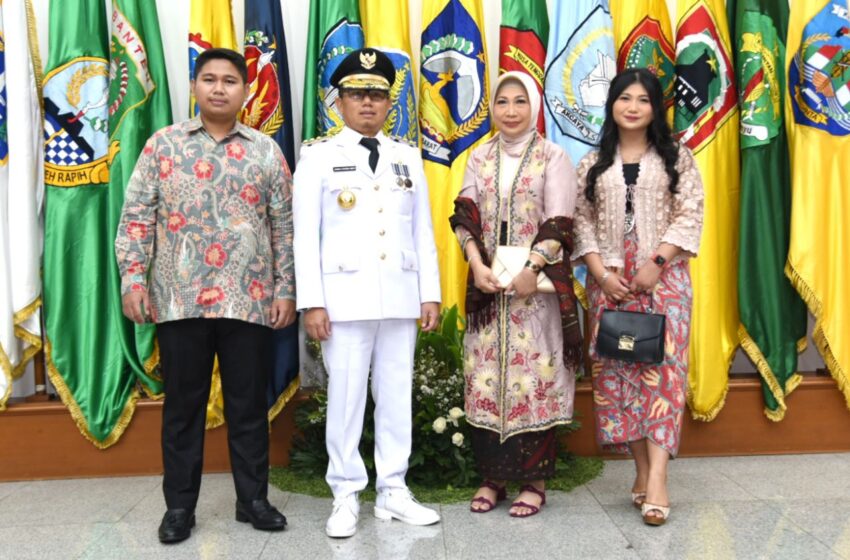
[[818, 122], [394, 41], [454, 116], [644, 39], [210, 26], [706, 120]]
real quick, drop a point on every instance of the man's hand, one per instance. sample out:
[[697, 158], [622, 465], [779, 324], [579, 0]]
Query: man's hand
[[282, 313], [430, 316], [317, 324], [137, 306]]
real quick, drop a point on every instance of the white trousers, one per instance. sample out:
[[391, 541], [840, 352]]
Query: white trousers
[[353, 346]]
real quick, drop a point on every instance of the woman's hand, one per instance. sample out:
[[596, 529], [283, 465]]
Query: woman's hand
[[484, 278], [524, 284], [615, 287], [646, 278]]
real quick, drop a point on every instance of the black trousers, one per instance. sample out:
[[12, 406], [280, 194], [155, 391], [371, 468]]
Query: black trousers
[[187, 351]]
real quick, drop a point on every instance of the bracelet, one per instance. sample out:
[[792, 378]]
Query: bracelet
[[605, 276], [532, 266], [469, 259]]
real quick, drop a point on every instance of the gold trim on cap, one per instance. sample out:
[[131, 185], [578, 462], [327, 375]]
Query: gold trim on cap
[[364, 81]]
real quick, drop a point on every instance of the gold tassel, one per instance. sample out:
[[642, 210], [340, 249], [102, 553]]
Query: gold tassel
[[712, 413], [754, 352], [284, 398], [77, 414], [821, 342]]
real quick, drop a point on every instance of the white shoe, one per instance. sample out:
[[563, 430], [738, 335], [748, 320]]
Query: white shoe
[[399, 503], [343, 520]]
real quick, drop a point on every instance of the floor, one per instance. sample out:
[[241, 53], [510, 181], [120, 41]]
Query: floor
[[794, 506]]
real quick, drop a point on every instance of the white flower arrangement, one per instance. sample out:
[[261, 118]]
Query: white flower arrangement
[[457, 439], [439, 425]]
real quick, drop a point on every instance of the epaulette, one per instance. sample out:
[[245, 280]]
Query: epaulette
[[315, 140], [319, 139], [403, 140]]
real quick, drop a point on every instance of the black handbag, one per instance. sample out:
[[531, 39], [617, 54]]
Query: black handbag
[[631, 336]]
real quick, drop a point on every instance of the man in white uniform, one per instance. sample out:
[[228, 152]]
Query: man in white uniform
[[366, 270]]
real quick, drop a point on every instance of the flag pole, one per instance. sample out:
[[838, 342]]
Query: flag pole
[[40, 394]]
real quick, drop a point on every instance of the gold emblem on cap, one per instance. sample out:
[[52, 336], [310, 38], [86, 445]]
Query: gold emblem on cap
[[346, 199], [367, 60]]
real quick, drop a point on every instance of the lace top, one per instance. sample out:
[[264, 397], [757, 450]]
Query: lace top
[[660, 216]]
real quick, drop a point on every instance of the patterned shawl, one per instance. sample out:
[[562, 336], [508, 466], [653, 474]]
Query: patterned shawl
[[480, 306], [561, 274]]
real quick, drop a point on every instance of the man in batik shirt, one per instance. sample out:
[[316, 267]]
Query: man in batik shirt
[[205, 251]]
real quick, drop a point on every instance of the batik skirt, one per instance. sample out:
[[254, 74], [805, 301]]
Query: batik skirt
[[634, 401], [523, 457]]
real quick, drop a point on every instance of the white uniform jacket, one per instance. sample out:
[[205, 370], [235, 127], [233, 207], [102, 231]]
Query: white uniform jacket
[[376, 259]]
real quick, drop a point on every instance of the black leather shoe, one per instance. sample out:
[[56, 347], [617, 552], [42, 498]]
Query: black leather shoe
[[176, 526], [261, 514]]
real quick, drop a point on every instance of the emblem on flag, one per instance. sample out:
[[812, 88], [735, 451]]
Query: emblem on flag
[[454, 107], [341, 40], [519, 42], [819, 76], [197, 45], [401, 121], [647, 47], [263, 110], [584, 68], [761, 94], [129, 60], [76, 121], [704, 87]]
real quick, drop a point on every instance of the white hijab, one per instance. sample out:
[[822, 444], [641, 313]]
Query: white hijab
[[514, 146]]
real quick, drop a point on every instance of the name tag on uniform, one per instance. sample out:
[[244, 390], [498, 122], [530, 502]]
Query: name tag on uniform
[[345, 168]]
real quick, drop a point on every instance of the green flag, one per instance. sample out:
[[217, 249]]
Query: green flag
[[139, 105], [334, 31], [523, 36], [773, 317], [87, 340], [83, 351]]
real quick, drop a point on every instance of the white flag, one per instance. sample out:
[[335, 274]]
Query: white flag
[[21, 191]]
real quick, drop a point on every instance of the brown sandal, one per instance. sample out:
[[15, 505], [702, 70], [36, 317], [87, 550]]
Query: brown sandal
[[501, 494], [534, 509]]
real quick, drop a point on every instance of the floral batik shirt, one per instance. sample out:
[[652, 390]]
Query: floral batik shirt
[[207, 225]]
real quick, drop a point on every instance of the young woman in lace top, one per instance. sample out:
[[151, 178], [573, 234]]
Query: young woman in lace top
[[638, 221]]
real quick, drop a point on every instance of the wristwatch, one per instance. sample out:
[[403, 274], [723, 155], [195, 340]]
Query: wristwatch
[[533, 266], [659, 260]]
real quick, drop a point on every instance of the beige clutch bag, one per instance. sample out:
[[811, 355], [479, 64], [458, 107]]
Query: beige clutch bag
[[509, 261]]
